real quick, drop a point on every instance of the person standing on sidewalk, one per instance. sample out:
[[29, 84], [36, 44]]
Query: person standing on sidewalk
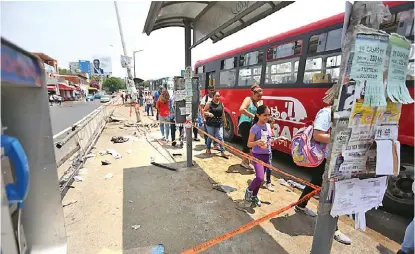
[[149, 104], [162, 107], [321, 133], [156, 98], [214, 112], [172, 108], [260, 140], [248, 110], [207, 98]]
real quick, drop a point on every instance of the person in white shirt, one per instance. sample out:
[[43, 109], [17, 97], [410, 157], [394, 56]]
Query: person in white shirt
[[207, 98], [149, 104]]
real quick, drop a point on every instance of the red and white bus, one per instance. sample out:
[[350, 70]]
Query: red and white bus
[[288, 67]]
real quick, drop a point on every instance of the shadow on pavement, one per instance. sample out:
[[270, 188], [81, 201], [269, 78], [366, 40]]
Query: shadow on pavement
[[383, 250], [294, 225], [181, 210]]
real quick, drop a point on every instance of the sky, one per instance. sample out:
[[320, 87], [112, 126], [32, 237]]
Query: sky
[[69, 31]]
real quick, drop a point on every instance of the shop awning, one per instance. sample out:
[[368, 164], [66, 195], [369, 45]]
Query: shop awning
[[92, 88], [65, 87], [209, 20], [52, 88]]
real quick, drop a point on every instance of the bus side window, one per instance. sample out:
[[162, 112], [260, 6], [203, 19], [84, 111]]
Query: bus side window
[[282, 72], [312, 66]]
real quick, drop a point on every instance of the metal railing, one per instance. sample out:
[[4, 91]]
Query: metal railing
[[73, 144]]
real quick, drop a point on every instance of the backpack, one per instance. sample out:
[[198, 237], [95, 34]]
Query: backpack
[[306, 152]]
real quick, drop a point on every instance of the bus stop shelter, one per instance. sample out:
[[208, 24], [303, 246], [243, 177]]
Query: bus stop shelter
[[208, 20]]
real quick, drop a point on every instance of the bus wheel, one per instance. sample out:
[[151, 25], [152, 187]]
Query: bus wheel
[[228, 133], [399, 198]]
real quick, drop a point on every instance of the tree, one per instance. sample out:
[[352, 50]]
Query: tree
[[146, 83], [63, 71], [113, 84]]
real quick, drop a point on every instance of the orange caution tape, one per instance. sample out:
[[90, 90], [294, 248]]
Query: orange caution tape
[[206, 245]]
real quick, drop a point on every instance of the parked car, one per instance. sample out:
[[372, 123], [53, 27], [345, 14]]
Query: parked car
[[97, 96], [90, 97], [105, 98]]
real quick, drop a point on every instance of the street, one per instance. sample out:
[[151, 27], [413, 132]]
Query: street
[[69, 113]]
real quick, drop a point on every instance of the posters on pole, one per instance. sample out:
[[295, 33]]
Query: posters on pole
[[355, 196], [126, 61], [102, 65], [368, 66], [398, 61]]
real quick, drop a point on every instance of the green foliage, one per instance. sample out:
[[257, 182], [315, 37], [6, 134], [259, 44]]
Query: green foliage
[[146, 83], [64, 71], [113, 84]]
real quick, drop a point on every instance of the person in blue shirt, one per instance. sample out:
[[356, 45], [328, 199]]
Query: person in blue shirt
[[156, 98]]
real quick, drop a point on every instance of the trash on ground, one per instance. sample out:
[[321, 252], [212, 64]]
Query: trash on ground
[[116, 119], [296, 185], [129, 125], [70, 203], [162, 166], [105, 162], [102, 153], [108, 175], [91, 155], [119, 139], [114, 153], [283, 182], [135, 227], [224, 188], [129, 151], [78, 178], [130, 201]]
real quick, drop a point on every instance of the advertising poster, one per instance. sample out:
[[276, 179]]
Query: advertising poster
[[102, 65], [85, 66], [126, 61], [368, 65]]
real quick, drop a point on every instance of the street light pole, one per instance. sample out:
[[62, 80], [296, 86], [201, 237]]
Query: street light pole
[[137, 51]]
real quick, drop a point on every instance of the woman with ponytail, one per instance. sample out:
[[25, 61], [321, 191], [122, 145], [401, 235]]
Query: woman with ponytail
[[248, 110]]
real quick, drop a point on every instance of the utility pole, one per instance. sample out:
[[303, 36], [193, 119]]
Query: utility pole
[[325, 228], [130, 83], [188, 63]]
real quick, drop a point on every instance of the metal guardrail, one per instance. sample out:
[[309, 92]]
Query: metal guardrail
[[77, 140]]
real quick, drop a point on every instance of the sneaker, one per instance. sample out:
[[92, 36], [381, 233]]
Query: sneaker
[[196, 139], [269, 187], [173, 143], [305, 210], [245, 165], [248, 196], [256, 201], [342, 238]]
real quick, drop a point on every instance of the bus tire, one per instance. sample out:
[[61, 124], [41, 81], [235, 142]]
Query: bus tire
[[399, 198], [228, 133]]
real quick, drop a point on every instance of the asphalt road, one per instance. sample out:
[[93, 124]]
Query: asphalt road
[[69, 113], [390, 225]]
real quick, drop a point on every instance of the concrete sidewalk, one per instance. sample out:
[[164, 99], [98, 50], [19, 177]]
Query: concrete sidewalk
[[131, 204]]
